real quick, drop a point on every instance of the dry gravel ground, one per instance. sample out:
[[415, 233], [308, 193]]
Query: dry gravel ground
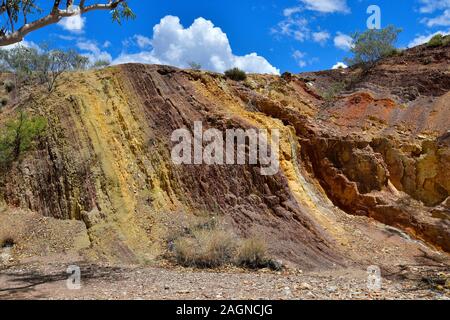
[[156, 283], [35, 268]]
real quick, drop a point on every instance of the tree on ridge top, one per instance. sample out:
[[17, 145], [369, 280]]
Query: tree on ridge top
[[372, 45]]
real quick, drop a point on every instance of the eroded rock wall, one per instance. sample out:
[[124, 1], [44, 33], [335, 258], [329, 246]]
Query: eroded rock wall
[[106, 161]]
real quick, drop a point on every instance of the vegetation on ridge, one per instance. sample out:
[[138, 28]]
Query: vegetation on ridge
[[372, 45]]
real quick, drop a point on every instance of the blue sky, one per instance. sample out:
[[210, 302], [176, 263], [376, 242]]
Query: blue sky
[[256, 35]]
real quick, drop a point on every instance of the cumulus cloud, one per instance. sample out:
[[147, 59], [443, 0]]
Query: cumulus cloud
[[321, 37], [343, 41], [74, 24], [202, 43], [91, 50], [421, 39], [339, 65]]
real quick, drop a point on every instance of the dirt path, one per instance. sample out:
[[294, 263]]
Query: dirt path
[[100, 282]]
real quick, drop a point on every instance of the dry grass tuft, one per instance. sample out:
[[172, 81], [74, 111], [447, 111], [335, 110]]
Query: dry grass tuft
[[205, 249], [252, 253], [204, 242]]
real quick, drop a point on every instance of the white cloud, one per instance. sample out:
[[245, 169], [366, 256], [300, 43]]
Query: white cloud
[[298, 54], [343, 41], [201, 43], [326, 6], [91, 50], [430, 6], [299, 57], [339, 65], [441, 7], [421, 39], [441, 20], [290, 11], [321, 37], [323, 6], [142, 42], [74, 24], [295, 27]]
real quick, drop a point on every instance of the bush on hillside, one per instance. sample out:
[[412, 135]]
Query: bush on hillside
[[236, 74], [18, 136], [436, 41]]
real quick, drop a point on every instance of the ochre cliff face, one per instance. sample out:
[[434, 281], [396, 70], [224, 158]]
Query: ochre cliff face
[[106, 161]]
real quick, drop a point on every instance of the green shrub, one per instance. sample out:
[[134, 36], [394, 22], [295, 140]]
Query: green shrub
[[372, 45], [436, 41], [446, 40], [18, 136], [394, 52], [333, 91], [236, 74]]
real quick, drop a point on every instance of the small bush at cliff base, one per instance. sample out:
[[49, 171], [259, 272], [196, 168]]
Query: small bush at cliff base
[[252, 253], [205, 249], [206, 243], [236, 74]]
